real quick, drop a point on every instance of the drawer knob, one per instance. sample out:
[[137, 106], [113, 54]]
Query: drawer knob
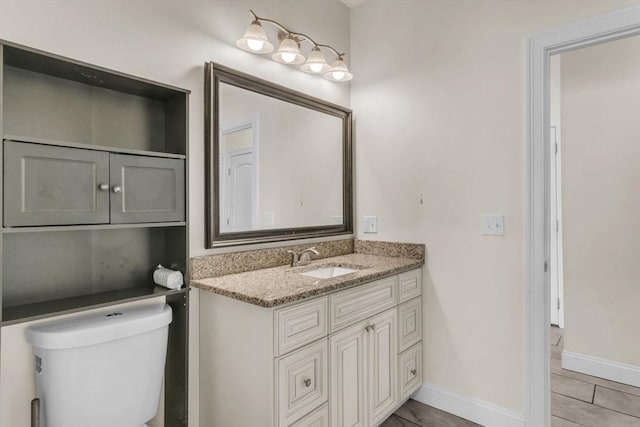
[[307, 382], [117, 189], [414, 372], [103, 187]]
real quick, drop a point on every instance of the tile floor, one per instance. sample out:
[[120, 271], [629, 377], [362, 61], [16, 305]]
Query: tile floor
[[416, 414], [577, 400], [583, 400]]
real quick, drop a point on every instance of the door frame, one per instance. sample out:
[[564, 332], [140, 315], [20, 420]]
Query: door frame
[[249, 121], [540, 46]]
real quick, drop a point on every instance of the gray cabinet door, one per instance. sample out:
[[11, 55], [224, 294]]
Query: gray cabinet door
[[146, 189], [47, 185]]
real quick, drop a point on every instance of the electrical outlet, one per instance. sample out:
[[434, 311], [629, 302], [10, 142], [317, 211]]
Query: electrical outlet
[[492, 225], [370, 224]]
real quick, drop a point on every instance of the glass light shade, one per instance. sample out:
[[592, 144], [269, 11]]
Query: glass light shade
[[288, 52], [255, 39], [316, 63], [338, 72]]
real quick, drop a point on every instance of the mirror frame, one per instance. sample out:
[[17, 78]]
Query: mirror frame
[[216, 74]]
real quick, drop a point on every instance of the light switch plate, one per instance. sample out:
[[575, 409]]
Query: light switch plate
[[268, 219], [492, 225], [370, 224]]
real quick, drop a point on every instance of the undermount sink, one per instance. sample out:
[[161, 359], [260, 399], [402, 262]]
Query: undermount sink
[[329, 272]]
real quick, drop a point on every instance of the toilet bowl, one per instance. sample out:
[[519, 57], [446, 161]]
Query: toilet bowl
[[101, 369]]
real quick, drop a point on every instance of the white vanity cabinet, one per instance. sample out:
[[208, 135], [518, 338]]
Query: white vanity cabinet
[[347, 359]]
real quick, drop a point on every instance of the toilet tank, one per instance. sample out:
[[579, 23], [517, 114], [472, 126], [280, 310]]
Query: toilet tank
[[101, 369]]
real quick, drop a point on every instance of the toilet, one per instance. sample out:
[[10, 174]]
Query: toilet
[[101, 369]]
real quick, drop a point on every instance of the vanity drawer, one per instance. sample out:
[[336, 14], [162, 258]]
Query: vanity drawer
[[300, 324], [318, 418], [409, 323], [409, 285], [410, 369], [302, 382], [347, 307]]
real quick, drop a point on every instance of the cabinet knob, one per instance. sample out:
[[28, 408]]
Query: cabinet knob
[[307, 382], [103, 187], [117, 189], [373, 327], [414, 372], [366, 328]]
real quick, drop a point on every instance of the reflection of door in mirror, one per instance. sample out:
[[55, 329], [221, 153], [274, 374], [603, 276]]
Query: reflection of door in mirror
[[594, 171], [238, 145]]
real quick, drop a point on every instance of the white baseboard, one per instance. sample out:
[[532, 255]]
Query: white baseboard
[[601, 368], [471, 409]]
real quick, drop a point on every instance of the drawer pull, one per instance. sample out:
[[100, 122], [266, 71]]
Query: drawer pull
[[307, 382], [414, 372]]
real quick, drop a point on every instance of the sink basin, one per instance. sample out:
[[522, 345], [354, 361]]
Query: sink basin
[[329, 272]]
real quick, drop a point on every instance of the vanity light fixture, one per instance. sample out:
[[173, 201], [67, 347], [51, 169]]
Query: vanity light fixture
[[255, 40]]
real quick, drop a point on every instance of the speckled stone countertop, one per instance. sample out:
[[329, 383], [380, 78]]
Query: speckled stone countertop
[[275, 286]]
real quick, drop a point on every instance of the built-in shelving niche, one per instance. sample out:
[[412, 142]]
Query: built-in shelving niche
[[59, 269], [47, 98], [51, 272]]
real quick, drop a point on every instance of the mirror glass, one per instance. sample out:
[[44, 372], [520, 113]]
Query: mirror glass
[[278, 162]]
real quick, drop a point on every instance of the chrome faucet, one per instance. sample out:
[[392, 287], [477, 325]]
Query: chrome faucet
[[304, 258]]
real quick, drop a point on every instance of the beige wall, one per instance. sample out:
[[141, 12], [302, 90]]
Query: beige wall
[[169, 41], [439, 99], [601, 173]]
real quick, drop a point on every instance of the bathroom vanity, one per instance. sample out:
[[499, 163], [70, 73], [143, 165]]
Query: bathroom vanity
[[280, 347]]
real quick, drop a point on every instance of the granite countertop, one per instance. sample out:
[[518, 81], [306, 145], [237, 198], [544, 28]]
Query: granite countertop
[[271, 287]]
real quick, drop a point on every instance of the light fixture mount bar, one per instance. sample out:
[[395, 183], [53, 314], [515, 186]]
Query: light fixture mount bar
[[299, 37]]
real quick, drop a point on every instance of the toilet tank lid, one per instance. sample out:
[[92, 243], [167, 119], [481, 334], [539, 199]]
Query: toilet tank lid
[[96, 328]]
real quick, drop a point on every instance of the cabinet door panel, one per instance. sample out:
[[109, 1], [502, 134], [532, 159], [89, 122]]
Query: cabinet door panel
[[300, 324], [302, 382], [354, 305], [409, 323], [409, 285], [46, 185], [318, 418], [382, 362], [348, 372], [410, 365], [149, 189]]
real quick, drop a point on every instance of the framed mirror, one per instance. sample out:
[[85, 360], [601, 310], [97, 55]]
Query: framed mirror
[[278, 162]]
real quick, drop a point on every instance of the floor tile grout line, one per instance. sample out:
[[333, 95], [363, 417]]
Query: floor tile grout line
[[576, 379], [593, 397], [598, 406], [403, 418], [571, 397], [598, 385], [566, 419]]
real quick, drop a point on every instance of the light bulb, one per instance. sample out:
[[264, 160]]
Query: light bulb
[[315, 67], [255, 45], [338, 75], [288, 57]]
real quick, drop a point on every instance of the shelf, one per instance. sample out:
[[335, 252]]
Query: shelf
[[48, 228], [45, 141], [41, 310], [39, 61]]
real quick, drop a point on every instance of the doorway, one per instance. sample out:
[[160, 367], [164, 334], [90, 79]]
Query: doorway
[[238, 176], [542, 46]]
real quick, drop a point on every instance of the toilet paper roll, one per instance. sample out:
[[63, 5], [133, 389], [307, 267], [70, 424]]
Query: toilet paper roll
[[168, 278]]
